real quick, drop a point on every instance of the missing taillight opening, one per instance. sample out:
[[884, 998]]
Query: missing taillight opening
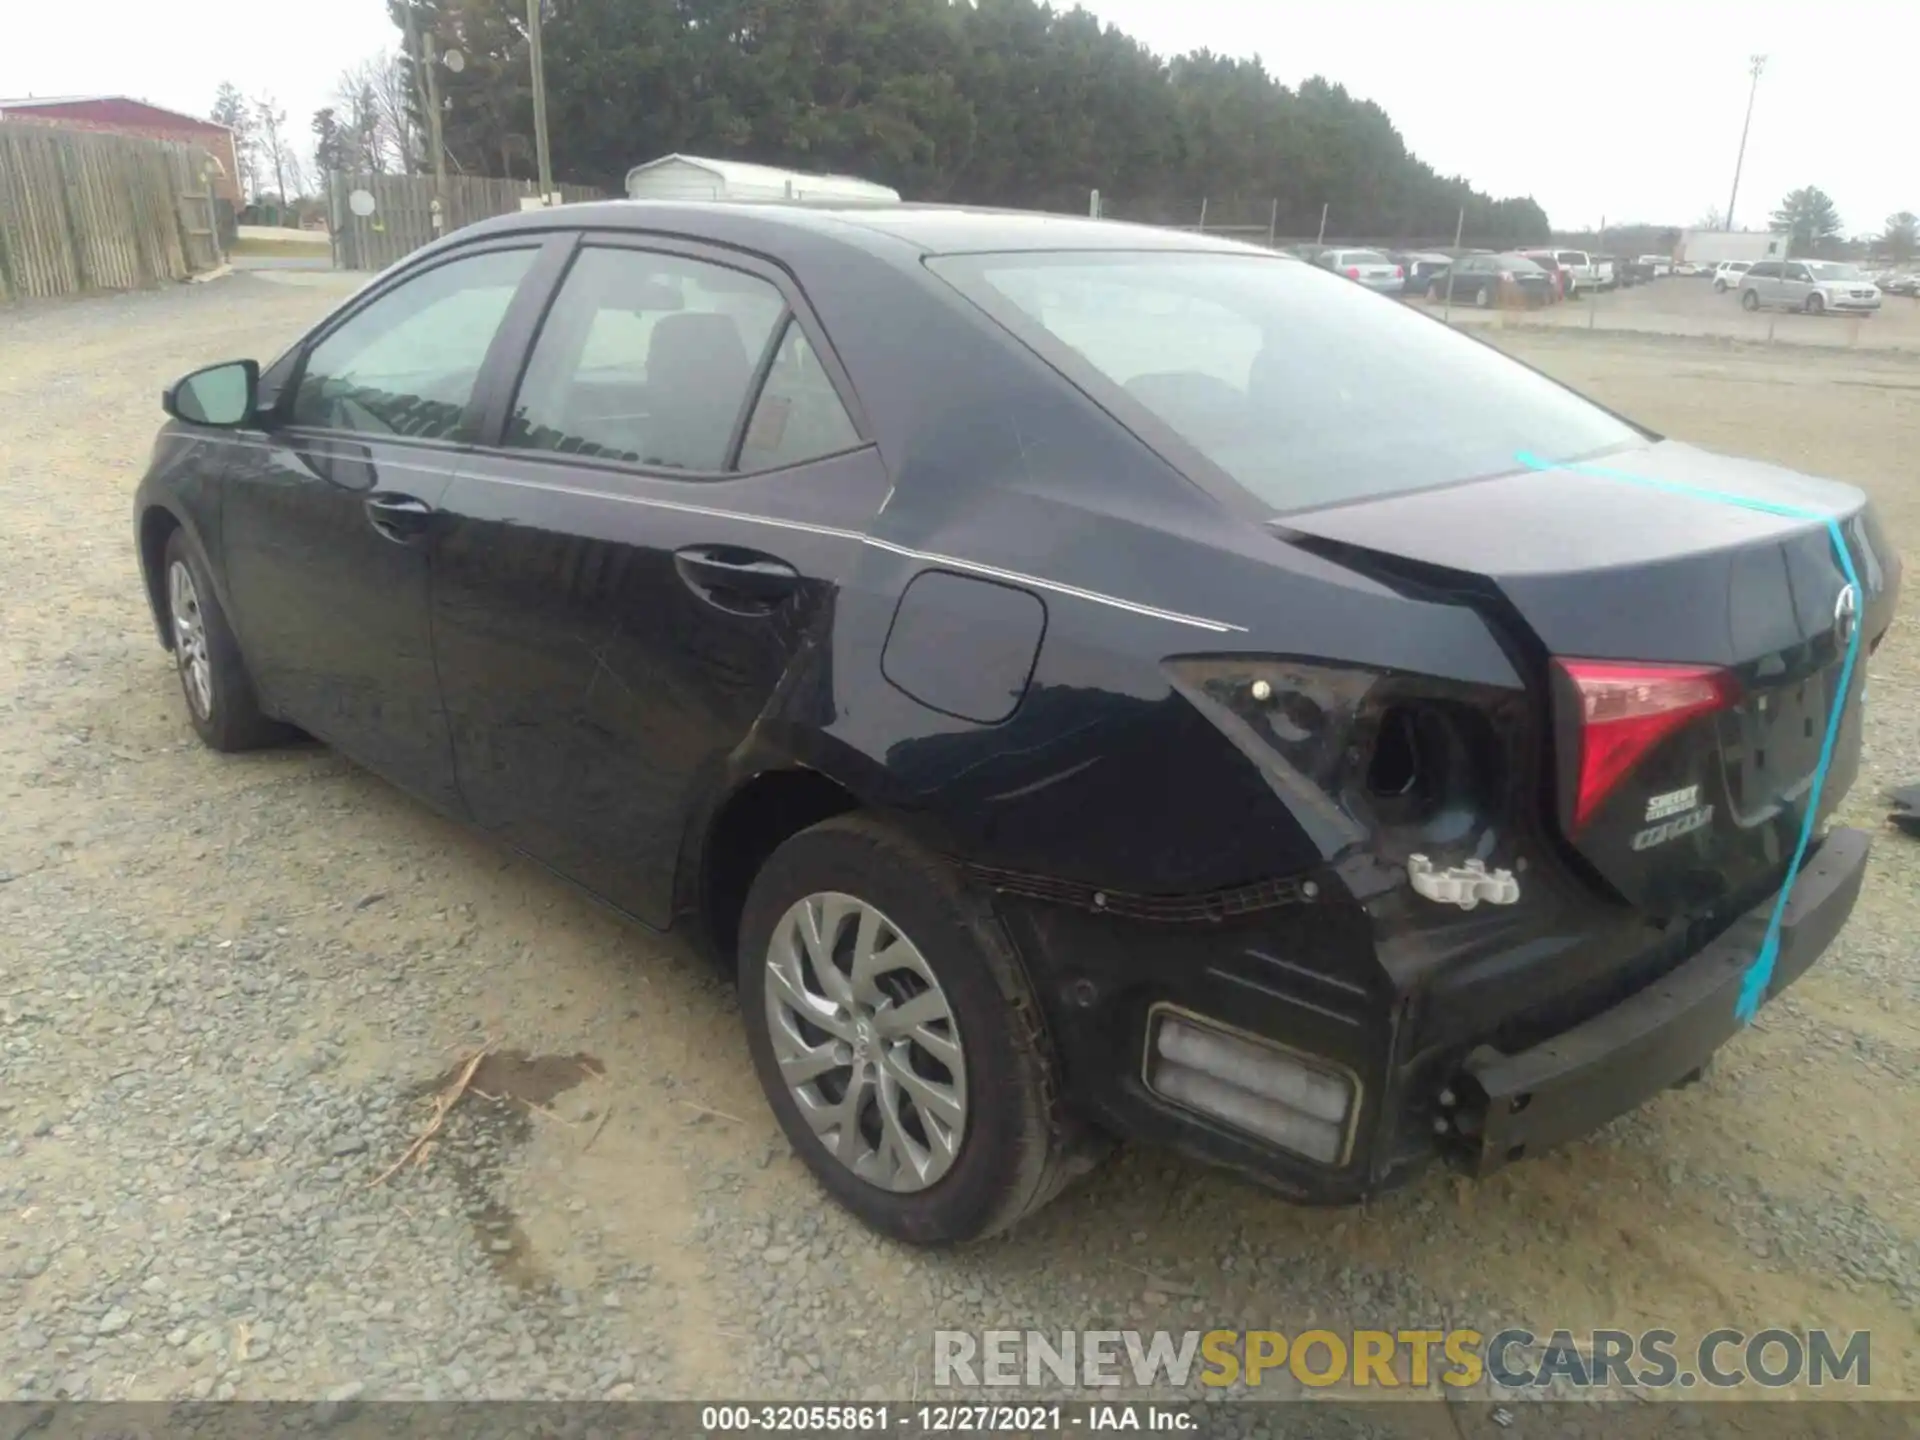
[[1434, 770]]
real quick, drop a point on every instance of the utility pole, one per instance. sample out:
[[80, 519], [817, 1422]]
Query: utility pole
[[423, 57], [1755, 64], [539, 101]]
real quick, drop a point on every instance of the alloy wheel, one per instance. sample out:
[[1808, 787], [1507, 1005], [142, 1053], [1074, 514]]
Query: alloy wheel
[[866, 1041], [190, 639]]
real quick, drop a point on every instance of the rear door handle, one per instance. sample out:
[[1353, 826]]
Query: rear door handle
[[746, 582], [403, 519]]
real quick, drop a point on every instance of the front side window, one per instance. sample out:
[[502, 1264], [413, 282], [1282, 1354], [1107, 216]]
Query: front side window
[[406, 364], [1305, 390], [646, 358]]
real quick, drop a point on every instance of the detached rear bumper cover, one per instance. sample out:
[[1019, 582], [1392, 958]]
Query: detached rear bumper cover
[[1572, 1084]]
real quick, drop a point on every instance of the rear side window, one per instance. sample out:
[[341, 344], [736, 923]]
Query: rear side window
[[1766, 270], [798, 416], [647, 358], [1304, 389], [406, 364]]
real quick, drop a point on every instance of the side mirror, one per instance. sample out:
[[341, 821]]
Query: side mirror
[[221, 395]]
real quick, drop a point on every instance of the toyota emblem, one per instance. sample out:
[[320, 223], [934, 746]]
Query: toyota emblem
[[1846, 613]]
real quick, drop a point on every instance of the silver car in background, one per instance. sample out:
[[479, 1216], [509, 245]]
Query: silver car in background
[[1815, 286], [1370, 267]]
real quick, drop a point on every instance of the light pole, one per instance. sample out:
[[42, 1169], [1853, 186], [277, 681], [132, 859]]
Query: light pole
[[1755, 64], [542, 156]]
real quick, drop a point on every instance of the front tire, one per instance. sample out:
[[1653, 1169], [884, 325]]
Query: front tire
[[220, 699], [1816, 305], [898, 1040], [1484, 297]]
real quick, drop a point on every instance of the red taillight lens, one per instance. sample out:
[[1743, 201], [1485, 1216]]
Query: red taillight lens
[[1626, 710], [1353, 272], [1399, 272]]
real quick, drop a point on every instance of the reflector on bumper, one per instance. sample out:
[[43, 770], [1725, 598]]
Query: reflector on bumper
[[1252, 1085]]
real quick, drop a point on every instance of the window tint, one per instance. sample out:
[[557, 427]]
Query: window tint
[[406, 364], [1795, 272], [1304, 389], [1572, 257], [1766, 270], [798, 415], [645, 357]]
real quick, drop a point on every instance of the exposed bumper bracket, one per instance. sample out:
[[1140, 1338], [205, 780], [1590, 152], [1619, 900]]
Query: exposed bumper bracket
[[1582, 1078]]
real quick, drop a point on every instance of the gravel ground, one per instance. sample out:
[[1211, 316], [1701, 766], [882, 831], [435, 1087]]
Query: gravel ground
[[230, 988]]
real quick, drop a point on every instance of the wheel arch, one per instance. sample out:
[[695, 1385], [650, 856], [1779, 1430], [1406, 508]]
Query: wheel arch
[[729, 847], [157, 524]]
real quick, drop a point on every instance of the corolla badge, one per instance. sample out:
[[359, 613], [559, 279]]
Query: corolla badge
[[1846, 613]]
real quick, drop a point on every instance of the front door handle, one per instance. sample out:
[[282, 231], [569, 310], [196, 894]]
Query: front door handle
[[403, 519], [746, 582]]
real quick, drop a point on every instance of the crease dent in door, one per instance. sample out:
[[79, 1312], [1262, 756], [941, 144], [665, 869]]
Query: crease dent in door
[[1759, 974]]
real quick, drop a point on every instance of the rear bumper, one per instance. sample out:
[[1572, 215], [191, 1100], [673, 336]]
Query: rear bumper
[[1580, 1079], [1305, 980]]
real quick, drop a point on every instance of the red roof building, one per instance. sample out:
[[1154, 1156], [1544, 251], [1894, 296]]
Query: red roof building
[[122, 115]]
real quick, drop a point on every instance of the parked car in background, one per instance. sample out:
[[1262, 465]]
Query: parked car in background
[[1639, 271], [1687, 268], [1726, 275], [1585, 271], [1815, 286], [1657, 267], [1489, 280], [1556, 272], [1370, 268], [1622, 271], [1421, 266], [1901, 283]]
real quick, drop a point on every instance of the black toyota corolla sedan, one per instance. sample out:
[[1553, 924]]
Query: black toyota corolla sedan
[[1090, 681]]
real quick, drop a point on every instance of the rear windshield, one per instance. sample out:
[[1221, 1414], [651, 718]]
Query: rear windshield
[[1363, 257], [1573, 257], [1303, 388]]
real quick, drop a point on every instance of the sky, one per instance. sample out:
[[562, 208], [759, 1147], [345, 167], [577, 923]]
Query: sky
[[1628, 111]]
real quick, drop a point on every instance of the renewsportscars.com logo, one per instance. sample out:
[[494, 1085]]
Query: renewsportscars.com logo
[[1393, 1359]]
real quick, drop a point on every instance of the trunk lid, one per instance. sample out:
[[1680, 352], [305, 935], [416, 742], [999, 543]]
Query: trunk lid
[[1573, 565]]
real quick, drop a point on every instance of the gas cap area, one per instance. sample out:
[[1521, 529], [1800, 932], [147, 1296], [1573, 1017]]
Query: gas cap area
[[964, 646]]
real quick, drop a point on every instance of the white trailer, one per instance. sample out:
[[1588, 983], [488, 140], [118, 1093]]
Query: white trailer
[[693, 177], [1708, 248]]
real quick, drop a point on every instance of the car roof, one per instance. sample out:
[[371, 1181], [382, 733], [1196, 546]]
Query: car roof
[[926, 229]]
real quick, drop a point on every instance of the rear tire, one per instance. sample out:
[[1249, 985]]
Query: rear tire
[[1749, 299], [220, 698], [1010, 1144], [1719, 287]]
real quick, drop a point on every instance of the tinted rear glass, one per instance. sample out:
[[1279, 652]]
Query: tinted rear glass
[[1363, 257], [1303, 388]]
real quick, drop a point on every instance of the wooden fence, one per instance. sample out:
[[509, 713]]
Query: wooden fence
[[401, 218], [81, 210]]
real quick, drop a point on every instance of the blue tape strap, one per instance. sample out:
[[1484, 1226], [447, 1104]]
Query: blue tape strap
[[1753, 984]]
